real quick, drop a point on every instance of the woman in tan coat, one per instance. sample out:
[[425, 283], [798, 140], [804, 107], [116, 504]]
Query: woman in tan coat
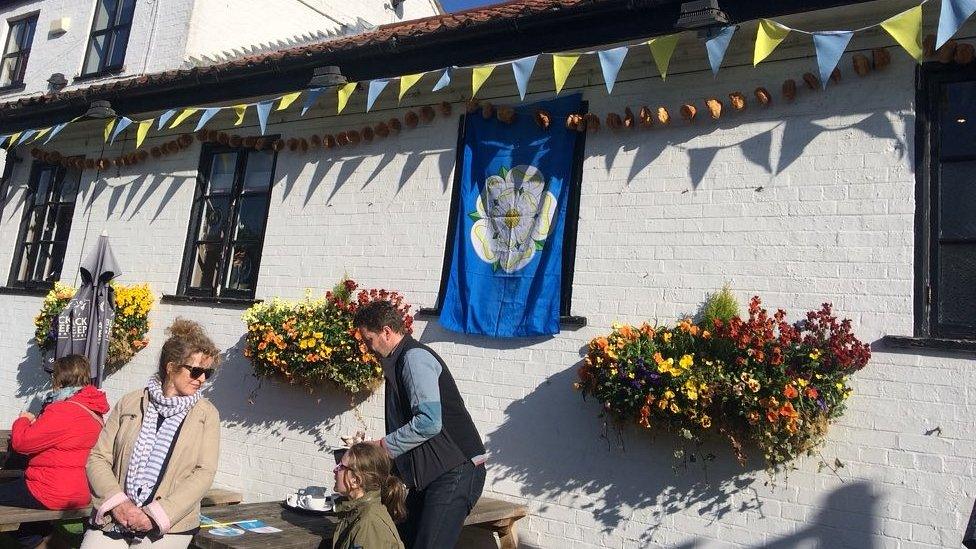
[[157, 455]]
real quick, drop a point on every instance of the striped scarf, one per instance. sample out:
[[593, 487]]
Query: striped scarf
[[152, 446]]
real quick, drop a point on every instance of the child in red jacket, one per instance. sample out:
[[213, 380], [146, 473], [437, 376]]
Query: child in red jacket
[[57, 442]]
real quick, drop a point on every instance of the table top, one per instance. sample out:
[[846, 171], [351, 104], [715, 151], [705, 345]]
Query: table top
[[299, 530]]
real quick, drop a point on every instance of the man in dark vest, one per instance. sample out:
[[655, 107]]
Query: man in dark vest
[[429, 434]]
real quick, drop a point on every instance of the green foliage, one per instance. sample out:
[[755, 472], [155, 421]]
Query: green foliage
[[721, 305]]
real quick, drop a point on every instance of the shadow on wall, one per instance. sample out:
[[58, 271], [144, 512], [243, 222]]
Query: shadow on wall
[[273, 408], [798, 133], [123, 195], [846, 520], [31, 377], [551, 446]]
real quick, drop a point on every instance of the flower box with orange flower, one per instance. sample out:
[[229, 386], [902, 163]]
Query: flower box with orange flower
[[760, 379], [312, 341]]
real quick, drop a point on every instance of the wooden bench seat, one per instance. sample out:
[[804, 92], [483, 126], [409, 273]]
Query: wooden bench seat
[[12, 517], [499, 516]]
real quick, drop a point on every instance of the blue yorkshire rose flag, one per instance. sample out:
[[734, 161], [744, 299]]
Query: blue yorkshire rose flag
[[506, 257]]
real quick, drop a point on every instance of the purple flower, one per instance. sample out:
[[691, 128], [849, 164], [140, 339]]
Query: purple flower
[[822, 404]]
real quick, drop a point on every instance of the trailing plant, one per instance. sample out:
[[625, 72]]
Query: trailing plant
[[760, 380], [129, 328], [312, 341]]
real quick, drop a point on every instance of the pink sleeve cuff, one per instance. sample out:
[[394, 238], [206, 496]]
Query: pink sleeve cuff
[[108, 505], [159, 516]]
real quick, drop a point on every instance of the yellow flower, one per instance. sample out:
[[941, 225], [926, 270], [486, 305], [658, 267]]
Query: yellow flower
[[815, 354], [686, 362], [840, 386], [666, 336], [706, 422], [631, 375], [318, 335], [802, 382], [674, 408], [691, 389]]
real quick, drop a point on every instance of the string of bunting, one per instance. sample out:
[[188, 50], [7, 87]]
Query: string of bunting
[[904, 27]]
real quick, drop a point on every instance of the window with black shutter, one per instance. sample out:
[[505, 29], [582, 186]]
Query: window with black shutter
[[16, 51], [48, 209], [230, 211], [109, 36], [946, 202]]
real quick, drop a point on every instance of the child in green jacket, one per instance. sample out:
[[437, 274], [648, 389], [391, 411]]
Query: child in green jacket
[[375, 500]]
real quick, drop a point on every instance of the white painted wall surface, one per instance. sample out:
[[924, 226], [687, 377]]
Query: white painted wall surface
[[660, 226]]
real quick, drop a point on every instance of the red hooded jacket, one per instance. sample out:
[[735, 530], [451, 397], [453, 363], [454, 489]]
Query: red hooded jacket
[[57, 444]]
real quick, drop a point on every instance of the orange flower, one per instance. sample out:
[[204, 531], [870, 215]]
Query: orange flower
[[788, 411], [645, 414], [658, 359], [753, 417], [772, 416], [262, 345], [627, 332], [812, 392], [790, 391]]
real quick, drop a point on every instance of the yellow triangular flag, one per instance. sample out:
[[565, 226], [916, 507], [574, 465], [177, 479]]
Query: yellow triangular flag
[[768, 36], [108, 128], [41, 134], [478, 77], [345, 92], [407, 82], [561, 65], [240, 110], [142, 130], [13, 139], [906, 29], [287, 100], [662, 48], [181, 117]]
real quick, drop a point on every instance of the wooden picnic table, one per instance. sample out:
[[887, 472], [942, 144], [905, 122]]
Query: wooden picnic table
[[299, 530], [312, 530]]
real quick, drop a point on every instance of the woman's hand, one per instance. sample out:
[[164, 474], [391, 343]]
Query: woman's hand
[[30, 417], [122, 511], [128, 516]]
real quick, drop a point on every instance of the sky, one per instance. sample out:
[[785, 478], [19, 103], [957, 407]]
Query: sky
[[456, 5]]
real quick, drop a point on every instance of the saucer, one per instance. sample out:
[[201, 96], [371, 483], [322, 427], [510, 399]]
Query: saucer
[[307, 511]]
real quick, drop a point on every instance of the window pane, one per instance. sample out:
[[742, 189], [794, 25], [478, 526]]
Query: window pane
[[258, 174], [957, 284], [958, 119], [21, 67], [52, 270], [105, 14], [222, 173], [96, 52], [27, 36], [25, 262], [251, 215], [69, 187], [51, 223], [13, 39], [43, 186], [35, 224], [120, 38], [64, 215], [8, 71], [214, 218], [242, 274], [957, 200], [206, 260], [128, 7], [41, 263]]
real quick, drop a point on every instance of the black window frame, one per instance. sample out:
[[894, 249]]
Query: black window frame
[[115, 26], [55, 188], [930, 85], [207, 154], [23, 54], [566, 318]]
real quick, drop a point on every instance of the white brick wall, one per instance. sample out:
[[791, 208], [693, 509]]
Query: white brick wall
[[659, 228]]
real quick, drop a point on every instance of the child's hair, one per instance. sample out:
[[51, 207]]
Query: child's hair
[[371, 464], [71, 371]]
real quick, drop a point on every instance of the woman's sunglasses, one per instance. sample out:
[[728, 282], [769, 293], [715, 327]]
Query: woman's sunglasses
[[197, 371]]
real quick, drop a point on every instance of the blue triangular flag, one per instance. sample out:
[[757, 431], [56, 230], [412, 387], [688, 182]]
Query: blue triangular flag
[[830, 46], [24, 136], [55, 131], [717, 45], [121, 125], [610, 61], [164, 118], [954, 13], [264, 108], [445, 79], [206, 116], [523, 71], [310, 98], [376, 87], [3, 139]]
